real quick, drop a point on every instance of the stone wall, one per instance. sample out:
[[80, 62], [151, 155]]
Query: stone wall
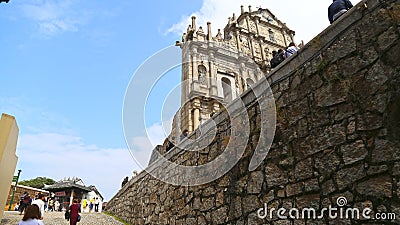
[[337, 135]]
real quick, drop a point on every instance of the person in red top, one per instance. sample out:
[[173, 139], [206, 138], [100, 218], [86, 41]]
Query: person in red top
[[74, 211]]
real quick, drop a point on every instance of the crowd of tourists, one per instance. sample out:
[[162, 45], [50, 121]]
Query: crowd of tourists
[[280, 55], [34, 208], [49, 204]]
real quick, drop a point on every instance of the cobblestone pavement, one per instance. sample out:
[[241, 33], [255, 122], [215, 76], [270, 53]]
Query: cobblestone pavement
[[57, 218]]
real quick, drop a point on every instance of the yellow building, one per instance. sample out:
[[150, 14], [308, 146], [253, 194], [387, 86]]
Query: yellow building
[[8, 159]]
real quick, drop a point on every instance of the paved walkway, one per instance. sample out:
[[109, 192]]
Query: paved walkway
[[57, 218]]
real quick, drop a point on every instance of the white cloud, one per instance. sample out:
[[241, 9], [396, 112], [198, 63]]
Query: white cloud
[[307, 18], [142, 146], [159, 131], [57, 156], [52, 17]]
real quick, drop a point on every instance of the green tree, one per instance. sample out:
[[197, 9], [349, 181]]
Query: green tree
[[37, 182]]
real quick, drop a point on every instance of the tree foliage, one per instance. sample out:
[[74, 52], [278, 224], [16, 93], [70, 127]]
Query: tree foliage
[[37, 182]]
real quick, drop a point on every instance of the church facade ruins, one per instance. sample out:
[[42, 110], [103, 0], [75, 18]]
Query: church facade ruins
[[217, 69]]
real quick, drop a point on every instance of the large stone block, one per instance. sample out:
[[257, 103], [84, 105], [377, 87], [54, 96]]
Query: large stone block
[[251, 203], [275, 176], [347, 176], [353, 152], [327, 162], [387, 39], [304, 169], [384, 151], [294, 189], [369, 121], [235, 209], [207, 203], [379, 187], [255, 182], [331, 94], [220, 215]]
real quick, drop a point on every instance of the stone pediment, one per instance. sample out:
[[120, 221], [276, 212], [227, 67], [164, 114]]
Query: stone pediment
[[265, 17]]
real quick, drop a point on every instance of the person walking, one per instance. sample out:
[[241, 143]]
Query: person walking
[[16, 207], [84, 204], [124, 181], [74, 211], [96, 204], [31, 216], [51, 205], [91, 204], [277, 58], [40, 203], [26, 201], [57, 206], [337, 9]]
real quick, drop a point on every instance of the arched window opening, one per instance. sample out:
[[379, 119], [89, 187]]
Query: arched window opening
[[202, 74], [227, 89], [271, 35]]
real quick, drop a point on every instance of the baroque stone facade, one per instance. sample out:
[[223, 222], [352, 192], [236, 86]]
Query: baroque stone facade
[[338, 136], [215, 69]]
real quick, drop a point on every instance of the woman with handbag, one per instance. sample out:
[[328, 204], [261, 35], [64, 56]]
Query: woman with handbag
[[74, 211]]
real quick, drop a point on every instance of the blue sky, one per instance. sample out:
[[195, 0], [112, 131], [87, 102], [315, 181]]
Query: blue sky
[[65, 66]]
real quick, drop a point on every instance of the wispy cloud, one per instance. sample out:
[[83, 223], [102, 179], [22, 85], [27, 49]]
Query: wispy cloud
[[35, 119], [57, 155], [52, 17], [307, 17]]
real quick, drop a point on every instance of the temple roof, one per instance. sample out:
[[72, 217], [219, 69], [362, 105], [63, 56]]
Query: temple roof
[[93, 188], [68, 183]]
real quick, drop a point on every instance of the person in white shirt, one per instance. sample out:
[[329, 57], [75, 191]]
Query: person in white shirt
[[40, 202], [291, 49], [31, 216], [96, 204]]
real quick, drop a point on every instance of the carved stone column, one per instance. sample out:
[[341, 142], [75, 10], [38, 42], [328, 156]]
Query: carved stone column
[[247, 23], [237, 41], [213, 76], [242, 71], [256, 21], [196, 118], [262, 51], [196, 113], [190, 122], [253, 52], [195, 67], [209, 35]]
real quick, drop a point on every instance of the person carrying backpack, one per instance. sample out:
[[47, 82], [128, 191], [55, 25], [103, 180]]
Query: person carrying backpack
[[337, 9]]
